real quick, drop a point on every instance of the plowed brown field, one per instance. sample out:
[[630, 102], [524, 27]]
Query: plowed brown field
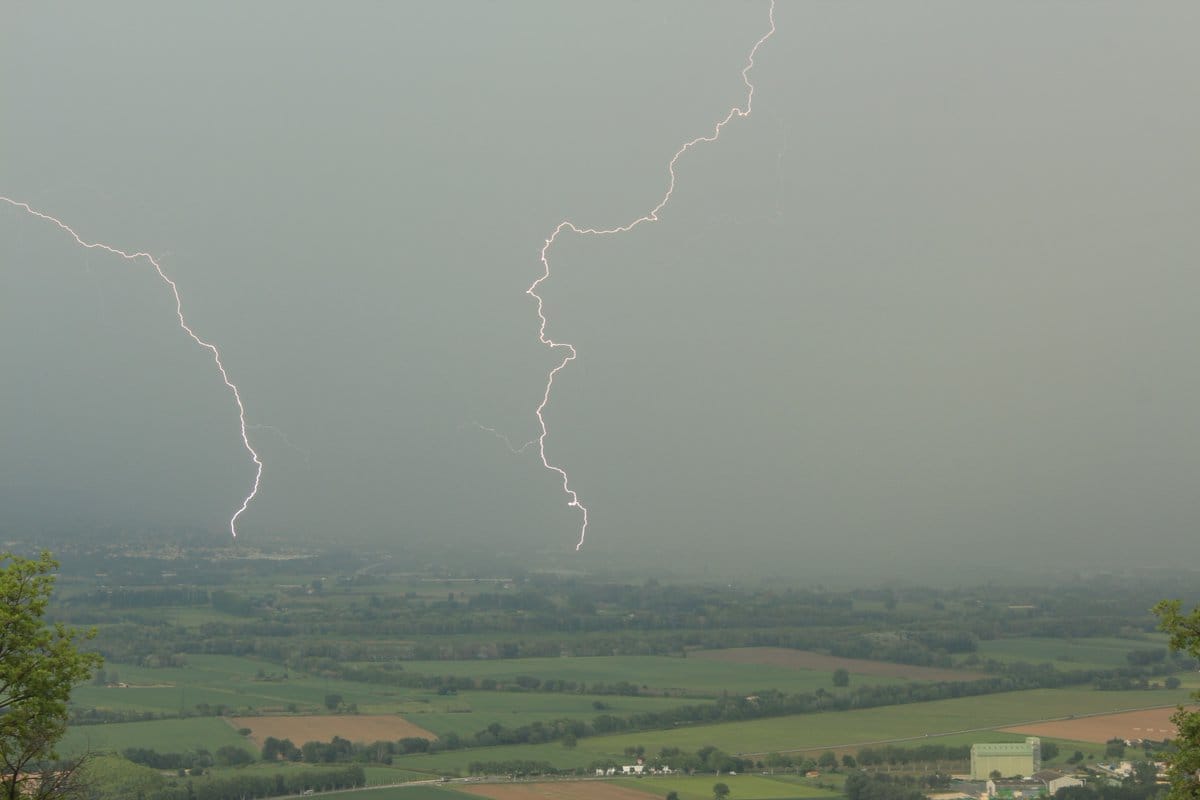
[[1152, 724], [804, 659], [565, 790], [321, 728]]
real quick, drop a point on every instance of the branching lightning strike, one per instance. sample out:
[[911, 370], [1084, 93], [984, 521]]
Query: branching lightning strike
[[652, 216], [216, 354]]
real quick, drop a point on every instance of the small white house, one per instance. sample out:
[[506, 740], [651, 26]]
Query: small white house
[[633, 769]]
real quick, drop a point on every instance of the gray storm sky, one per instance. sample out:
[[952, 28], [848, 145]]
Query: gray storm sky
[[933, 302]]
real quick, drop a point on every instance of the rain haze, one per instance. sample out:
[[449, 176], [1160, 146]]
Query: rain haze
[[932, 305]]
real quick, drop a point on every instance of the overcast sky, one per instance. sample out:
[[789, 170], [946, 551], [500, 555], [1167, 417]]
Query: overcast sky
[[934, 302]]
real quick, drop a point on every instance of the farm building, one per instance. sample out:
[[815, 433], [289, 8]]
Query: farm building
[[1055, 780], [1008, 758], [1016, 790]]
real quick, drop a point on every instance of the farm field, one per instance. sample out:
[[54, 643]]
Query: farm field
[[806, 660], [468, 712], [381, 775], [698, 674], [164, 735], [455, 761], [423, 792], [1151, 724], [1066, 654], [250, 686], [558, 790], [301, 728], [819, 731], [231, 681], [743, 787], [957, 721]]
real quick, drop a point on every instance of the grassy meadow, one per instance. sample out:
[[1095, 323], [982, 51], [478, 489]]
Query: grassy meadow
[[742, 787], [163, 735], [252, 686], [1068, 654]]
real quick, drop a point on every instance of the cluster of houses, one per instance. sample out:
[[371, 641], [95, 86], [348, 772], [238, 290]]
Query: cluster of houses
[[1023, 760], [1043, 783], [633, 769]]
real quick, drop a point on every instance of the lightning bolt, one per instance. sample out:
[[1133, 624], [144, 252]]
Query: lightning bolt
[[212, 348], [651, 216], [516, 451], [283, 437]]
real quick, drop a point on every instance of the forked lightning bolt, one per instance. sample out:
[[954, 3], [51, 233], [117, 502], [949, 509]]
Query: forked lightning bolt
[[651, 216], [212, 348]]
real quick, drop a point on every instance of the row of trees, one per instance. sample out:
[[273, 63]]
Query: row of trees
[[114, 778], [875, 786]]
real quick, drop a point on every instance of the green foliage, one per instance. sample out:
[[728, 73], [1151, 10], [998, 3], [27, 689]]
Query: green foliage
[[720, 791], [192, 760], [115, 777], [1184, 769], [274, 749], [841, 677], [517, 767], [1129, 790], [230, 756], [39, 665], [864, 786]]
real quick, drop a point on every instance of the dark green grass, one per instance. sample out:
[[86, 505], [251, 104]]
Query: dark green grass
[[1066, 654], [959, 721], [402, 793], [165, 736], [742, 787]]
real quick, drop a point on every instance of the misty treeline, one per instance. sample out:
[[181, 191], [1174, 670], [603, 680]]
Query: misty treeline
[[926, 627]]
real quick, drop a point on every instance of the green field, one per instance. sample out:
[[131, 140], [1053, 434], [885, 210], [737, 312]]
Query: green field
[[697, 676], [1067, 654], [238, 683], [402, 793], [918, 720], [234, 683], [164, 735], [958, 721], [469, 712], [742, 787]]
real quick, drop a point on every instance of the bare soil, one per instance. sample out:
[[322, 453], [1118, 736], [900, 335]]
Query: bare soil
[[1152, 724], [301, 728], [804, 659]]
